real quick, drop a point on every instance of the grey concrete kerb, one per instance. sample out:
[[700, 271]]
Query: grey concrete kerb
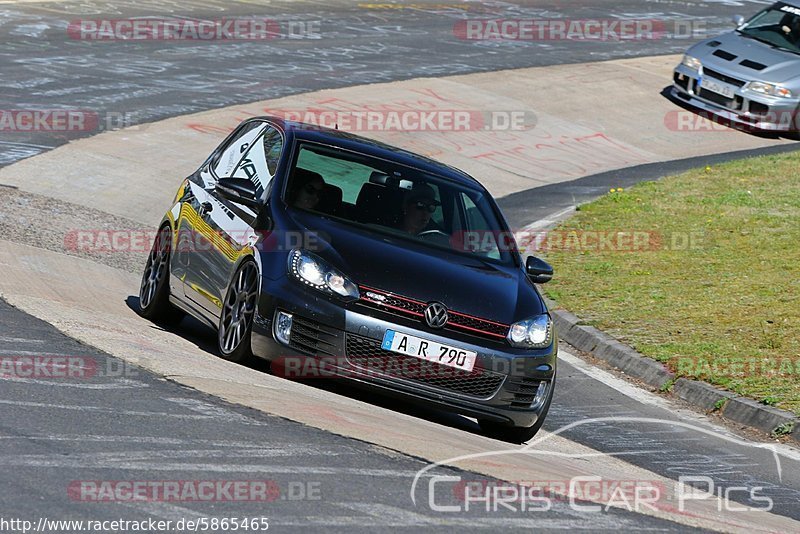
[[701, 395]]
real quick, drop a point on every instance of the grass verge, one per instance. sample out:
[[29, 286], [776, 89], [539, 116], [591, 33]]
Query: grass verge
[[700, 271]]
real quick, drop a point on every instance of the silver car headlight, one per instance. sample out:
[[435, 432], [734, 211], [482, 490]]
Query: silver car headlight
[[314, 272], [768, 89], [691, 62], [535, 333]]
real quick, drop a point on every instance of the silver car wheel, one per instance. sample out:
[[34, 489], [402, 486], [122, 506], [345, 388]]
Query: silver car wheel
[[155, 269], [238, 308]]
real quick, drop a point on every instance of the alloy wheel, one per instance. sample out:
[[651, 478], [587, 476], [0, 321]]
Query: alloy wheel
[[155, 270], [238, 308]]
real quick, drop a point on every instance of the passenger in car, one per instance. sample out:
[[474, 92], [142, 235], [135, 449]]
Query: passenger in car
[[306, 190], [418, 206], [789, 27]]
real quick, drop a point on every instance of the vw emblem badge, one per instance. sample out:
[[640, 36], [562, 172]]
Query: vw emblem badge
[[436, 315]]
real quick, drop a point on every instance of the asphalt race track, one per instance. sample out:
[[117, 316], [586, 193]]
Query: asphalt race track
[[125, 422], [136, 82], [144, 428]]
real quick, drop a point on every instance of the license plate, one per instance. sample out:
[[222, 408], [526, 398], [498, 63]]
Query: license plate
[[429, 350], [718, 88]]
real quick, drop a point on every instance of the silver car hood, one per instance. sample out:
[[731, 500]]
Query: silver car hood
[[780, 65]]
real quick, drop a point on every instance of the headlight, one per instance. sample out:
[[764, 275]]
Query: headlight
[[536, 333], [315, 272], [768, 89], [691, 62]]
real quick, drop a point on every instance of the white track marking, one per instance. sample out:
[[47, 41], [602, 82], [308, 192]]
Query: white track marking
[[106, 458], [14, 352], [4, 339], [604, 377], [645, 397], [541, 224], [154, 440], [206, 408], [94, 465], [391, 516], [165, 510], [123, 383], [105, 410]]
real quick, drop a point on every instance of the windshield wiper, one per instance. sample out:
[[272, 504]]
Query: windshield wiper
[[749, 36]]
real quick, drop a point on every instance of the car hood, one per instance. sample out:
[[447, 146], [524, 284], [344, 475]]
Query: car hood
[[462, 283], [779, 65]]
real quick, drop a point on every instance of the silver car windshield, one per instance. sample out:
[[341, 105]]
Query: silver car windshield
[[383, 196], [777, 26]]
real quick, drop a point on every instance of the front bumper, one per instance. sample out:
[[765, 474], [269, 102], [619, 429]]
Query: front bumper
[[330, 340], [747, 110]]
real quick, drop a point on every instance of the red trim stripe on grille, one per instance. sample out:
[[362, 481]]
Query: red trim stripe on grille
[[422, 305]]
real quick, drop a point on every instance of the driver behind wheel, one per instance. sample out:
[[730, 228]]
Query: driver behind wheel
[[418, 206], [790, 26], [306, 190]]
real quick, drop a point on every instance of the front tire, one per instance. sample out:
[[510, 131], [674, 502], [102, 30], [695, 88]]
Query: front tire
[[154, 290], [519, 434], [238, 310]]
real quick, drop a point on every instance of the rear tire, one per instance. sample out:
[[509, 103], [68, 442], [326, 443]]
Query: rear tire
[[154, 290], [519, 434], [238, 309]]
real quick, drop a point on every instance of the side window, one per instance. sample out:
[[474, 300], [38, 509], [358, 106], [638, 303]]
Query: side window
[[224, 164], [273, 146], [475, 220], [346, 175], [478, 235], [438, 215], [260, 161]]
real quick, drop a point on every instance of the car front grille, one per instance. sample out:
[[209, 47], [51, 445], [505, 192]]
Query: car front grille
[[524, 390], [734, 103], [716, 98], [312, 337], [758, 108], [478, 325], [681, 81], [461, 322], [723, 77], [367, 354]]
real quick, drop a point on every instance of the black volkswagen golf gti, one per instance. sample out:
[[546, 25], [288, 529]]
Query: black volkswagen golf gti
[[299, 244]]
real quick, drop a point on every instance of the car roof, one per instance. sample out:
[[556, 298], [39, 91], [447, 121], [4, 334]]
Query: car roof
[[349, 141]]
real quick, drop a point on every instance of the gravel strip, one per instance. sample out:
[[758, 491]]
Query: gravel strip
[[51, 224]]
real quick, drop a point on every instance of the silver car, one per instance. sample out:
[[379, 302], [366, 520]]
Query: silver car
[[749, 77]]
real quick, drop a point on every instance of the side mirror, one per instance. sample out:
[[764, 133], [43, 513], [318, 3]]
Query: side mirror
[[539, 271], [239, 190], [738, 20]]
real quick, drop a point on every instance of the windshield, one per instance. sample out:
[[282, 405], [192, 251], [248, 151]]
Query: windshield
[[778, 26], [386, 197]]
